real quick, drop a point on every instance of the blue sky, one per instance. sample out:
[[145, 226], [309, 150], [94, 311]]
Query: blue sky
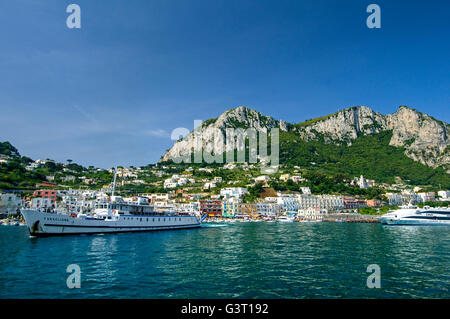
[[111, 93]]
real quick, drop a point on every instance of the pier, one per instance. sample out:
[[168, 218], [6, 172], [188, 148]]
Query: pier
[[353, 218]]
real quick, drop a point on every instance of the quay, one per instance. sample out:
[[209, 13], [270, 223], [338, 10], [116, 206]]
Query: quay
[[351, 218]]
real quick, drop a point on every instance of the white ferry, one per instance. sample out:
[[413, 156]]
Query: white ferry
[[114, 217], [412, 215]]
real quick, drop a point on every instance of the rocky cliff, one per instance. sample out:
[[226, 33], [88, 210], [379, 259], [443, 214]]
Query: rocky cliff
[[424, 138], [213, 131]]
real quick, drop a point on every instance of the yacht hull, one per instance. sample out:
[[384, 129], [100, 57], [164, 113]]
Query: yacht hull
[[411, 221], [48, 224]]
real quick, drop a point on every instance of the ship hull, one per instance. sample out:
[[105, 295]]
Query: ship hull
[[47, 224], [412, 222]]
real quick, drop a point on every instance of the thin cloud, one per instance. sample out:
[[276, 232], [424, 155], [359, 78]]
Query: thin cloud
[[157, 133]]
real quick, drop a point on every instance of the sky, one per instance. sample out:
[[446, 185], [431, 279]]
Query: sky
[[111, 92]]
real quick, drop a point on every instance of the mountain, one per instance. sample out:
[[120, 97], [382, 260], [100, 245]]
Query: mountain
[[415, 140], [6, 149], [240, 117], [424, 138]]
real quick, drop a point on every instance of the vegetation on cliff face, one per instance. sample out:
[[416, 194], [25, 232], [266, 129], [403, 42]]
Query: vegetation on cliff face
[[369, 155]]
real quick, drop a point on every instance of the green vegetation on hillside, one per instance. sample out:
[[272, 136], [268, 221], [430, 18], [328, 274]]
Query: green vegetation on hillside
[[370, 155], [7, 149]]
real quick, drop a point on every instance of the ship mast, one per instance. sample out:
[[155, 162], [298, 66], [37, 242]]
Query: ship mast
[[113, 189]]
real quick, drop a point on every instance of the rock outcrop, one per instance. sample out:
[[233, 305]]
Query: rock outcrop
[[424, 138]]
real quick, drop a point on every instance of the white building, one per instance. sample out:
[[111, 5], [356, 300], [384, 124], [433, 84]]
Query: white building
[[328, 202], [394, 199], [41, 203], [191, 207], [209, 185], [10, 204], [363, 183], [170, 183], [296, 178], [229, 166], [288, 203], [268, 209], [444, 195], [233, 192], [262, 179], [312, 213], [305, 190], [427, 196], [217, 179]]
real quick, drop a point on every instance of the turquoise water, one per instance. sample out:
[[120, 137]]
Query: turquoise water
[[243, 260]]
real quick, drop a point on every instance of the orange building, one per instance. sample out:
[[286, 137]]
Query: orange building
[[44, 193]]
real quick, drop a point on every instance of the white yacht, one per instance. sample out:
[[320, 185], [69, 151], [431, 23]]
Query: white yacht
[[412, 215], [109, 217]]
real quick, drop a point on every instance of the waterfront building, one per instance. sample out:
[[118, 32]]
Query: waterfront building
[[288, 203], [328, 202], [211, 207], [268, 209], [230, 207], [409, 197], [312, 213], [10, 203], [373, 202], [247, 209], [353, 203]]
